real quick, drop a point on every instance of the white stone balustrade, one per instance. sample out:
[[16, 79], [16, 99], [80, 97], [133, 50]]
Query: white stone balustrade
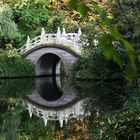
[[62, 115], [69, 40]]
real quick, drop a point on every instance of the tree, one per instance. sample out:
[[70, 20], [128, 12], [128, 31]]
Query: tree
[[110, 38], [126, 15], [8, 28], [30, 16]]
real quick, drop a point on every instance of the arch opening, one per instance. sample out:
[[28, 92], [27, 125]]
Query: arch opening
[[50, 88], [49, 64]]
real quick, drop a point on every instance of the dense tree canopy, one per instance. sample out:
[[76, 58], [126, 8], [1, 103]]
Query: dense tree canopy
[[8, 28], [110, 39], [126, 16]]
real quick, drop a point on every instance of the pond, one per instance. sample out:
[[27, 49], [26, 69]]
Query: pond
[[52, 108]]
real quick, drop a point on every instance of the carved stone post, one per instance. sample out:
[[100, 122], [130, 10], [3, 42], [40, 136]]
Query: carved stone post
[[28, 43], [43, 37], [58, 35]]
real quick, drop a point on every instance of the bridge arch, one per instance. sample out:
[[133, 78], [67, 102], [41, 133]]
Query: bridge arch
[[48, 50], [48, 59], [49, 64]]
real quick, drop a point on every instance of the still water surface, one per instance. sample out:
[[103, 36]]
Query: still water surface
[[51, 108]]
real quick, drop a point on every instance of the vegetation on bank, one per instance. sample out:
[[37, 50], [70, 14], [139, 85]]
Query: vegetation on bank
[[95, 66], [16, 88], [13, 65], [122, 124]]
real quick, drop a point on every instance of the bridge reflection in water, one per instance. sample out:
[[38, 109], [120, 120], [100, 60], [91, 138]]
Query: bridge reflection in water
[[50, 102]]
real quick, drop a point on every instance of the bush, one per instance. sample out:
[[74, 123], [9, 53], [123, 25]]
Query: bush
[[93, 65], [12, 65]]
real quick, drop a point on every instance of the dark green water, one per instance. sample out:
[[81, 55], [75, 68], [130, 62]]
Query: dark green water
[[48, 108]]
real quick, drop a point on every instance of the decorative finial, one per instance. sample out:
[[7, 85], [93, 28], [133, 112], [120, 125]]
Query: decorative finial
[[28, 39], [61, 122], [30, 114], [58, 30], [63, 31], [28, 42], [30, 110], [42, 32], [45, 122], [1, 2], [66, 120], [79, 31]]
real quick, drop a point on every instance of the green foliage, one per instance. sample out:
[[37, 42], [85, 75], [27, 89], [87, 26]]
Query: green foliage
[[79, 6], [11, 66], [93, 65], [126, 18], [10, 123], [30, 17], [34, 126], [8, 28], [33, 14], [124, 124], [114, 107], [107, 39]]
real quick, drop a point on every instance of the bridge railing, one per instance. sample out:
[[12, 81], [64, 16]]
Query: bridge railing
[[70, 40]]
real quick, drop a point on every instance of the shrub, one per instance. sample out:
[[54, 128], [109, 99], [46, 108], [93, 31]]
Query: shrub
[[11, 64], [93, 65]]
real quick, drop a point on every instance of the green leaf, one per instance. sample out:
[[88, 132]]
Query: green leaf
[[73, 4], [82, 8], [111, 53], [97, 9], [115, 33], [130, 71], [132, 57], [128, 46], [108, 52], [104, 40], [117, 58], [79, 6]]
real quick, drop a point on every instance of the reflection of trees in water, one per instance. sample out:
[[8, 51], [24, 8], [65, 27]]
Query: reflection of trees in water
[[10, 119], [16, 87], [11, 91], [103, 96], [117, 109]]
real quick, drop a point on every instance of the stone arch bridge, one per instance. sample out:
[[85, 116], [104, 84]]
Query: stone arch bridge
[[49, 51]]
